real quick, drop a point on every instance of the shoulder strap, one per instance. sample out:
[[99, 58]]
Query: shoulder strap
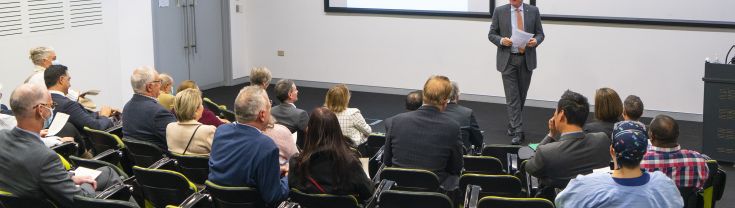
[[192, 137], [316, 184]]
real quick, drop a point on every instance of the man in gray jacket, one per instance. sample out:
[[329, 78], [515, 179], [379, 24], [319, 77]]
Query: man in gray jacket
[[516, 63]]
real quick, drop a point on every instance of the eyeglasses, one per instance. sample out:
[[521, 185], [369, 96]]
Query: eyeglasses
[[51, 106], [156, 81]]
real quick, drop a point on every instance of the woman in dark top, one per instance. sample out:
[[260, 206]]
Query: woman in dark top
[[608, 110], [327, 165]]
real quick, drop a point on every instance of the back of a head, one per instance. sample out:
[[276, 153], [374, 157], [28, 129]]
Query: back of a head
[[414, 100], [166, 80], [186, 104], [664, 130], [324, 138], [575, 107], [141, 77], [187, 84], [630, 146], [25, 97], [260, 76], [454, 96], [53, 74], [436, 90], [608, 106], [633, 107], [338, 98], [282, 89], [249, 103], [40, 54]]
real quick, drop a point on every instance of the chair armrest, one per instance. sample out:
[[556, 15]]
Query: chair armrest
[[163, 162], [471, 196], [194, 199], [288, 204], [118, 191], [383, 186]]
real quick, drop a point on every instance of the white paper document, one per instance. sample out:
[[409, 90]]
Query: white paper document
[[58, 123], [520, 38], [82, 171]]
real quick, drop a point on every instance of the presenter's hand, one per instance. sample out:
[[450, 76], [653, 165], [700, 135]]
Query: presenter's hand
[[506, 42], [532, 42]]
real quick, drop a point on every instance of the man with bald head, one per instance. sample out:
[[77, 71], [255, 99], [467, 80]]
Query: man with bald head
[[427, 138], [29, 169], [143, 118]]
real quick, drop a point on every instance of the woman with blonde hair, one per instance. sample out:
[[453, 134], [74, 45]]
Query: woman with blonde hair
[[351, 122], [208, 117], [188, 136]]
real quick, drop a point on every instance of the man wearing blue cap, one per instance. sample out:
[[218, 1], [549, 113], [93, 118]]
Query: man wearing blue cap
[[627, 185]]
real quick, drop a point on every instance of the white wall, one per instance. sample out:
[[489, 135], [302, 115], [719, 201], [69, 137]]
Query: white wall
[[663, 65], [99, 57]]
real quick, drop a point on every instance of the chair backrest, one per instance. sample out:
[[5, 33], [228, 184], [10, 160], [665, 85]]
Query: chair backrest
[[493, 185], [229, 115], [690, 196], [87, 202], [227, 196], [374, 143], [66, 149], [7, 200], [323, 200], [496, 201], [411, 179], [209, 104], [501, 152], [194, 167], [102, 141], [409, 199], [144, 153], [483, 165], [163, 187], [94, 164]]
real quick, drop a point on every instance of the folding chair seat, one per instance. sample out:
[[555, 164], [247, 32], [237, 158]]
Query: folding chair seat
[[323, 200]]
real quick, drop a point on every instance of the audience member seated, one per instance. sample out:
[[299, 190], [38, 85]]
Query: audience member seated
[[284, 140], [166, 97], [7, 121], [143, 118], [208, 117], [4, 109], [567, 151], [633, 109], [608, 109], [350, 119], [464, 116], [188, 136], [687, 168], [287, 113], [42, 58], [427, 138], [29, 169], [628, 185], [242, 155], [260, 76], [58, 82], [328, 165], [413, 102]]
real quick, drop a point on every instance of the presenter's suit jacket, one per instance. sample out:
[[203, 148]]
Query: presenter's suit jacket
[[79, 116], [146, 120], [501, 27], [29, 169], [424, 139]]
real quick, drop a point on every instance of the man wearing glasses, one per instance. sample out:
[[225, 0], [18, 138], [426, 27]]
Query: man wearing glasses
[[144, 119]]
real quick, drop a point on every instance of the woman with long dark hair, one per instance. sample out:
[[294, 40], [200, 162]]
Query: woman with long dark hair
[[327, 165]]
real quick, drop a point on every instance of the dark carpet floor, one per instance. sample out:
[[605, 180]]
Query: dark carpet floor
[[490, 116]]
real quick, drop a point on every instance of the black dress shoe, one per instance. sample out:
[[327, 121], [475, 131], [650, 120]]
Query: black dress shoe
[[517, 139]]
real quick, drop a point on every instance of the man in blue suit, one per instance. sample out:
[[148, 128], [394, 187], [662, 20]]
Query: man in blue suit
[[58, 82], [242, 155], [143, 118]]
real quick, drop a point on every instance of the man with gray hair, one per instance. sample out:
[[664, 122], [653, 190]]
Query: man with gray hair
[[242, 155], [143, 118], [471, 135], [260, 76], [29, 169], [287, 113]]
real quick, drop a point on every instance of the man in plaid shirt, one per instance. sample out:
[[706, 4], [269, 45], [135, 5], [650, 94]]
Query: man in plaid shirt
[[686, 168]]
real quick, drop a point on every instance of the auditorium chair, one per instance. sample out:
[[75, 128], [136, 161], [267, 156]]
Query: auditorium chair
[[229, 115], [411, 179], [483, 165], [229, 196], [507, 154], [66, 149], [714, 186], [64, 162], [323, 200], [194, 167], [87, 202], [471, 196], [7, 200], [163, 187], [103, 141], [411, 199], [493, 185], [94, 164], [374, 143], [144, 154], [496, 201]]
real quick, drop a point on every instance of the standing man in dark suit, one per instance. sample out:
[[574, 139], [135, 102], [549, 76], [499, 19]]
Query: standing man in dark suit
[[516, 63], [29, 169], [287, 113], [427, 138], [58, 82], [143, 118], [471, 134]]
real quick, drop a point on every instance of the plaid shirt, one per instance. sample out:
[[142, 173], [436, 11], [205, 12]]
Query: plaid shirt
[[686, 168]]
